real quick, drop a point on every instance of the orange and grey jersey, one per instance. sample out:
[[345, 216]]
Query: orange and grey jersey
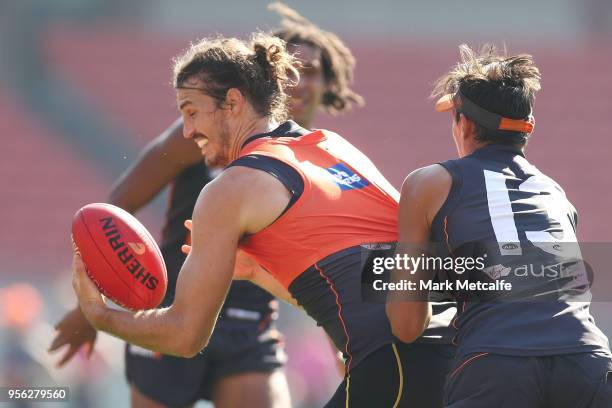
[[340, 205], [345, 202], [340, 202]]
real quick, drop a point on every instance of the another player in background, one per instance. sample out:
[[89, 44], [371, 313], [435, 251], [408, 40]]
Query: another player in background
[[244, 352], [428, 358], [304, 204], [534, 345]]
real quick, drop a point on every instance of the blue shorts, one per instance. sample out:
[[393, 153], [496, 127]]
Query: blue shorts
[[237, 346], [485, 380], [376, 381]]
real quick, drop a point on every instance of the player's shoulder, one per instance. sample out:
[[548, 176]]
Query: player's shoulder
[[238, 180], [245, 185], [426, 181], [251, 197], [425, 190]]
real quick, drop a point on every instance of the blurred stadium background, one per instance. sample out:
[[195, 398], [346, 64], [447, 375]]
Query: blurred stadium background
[[84, 84]]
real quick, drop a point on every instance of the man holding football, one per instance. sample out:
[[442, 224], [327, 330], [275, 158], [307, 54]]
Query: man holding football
[[302, 204]]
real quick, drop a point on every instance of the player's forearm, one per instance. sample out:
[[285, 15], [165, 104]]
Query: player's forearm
[[161, 160], [157, 329], [408, 319], [409, 310], [139, 184]]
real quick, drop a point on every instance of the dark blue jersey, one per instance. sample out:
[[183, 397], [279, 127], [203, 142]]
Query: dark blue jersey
[[520, 223]]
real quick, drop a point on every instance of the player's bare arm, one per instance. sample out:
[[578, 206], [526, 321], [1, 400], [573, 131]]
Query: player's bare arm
[[423, 194], [160, 162], [245, 268], [163, 159], [221, 217]]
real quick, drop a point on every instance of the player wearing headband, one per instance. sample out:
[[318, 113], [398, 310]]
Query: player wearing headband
[[533, 343]]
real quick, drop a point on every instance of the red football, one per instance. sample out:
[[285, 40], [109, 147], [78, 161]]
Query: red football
[[121, 256]]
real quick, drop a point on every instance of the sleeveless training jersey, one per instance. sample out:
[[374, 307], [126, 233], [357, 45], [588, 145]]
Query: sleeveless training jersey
[[314, 248], [243, 297], [504, 208], [345, 202]]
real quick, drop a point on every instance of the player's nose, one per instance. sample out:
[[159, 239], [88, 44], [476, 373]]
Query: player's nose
[[188, 130]]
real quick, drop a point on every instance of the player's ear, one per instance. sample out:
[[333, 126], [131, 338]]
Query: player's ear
[[466, 126], [234, 101]]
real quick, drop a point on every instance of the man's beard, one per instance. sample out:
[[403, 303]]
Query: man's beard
[[221, 158]]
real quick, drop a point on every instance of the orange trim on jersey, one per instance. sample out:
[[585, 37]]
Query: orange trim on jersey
[[332, 287], [455, 371], [263, 324], [446, 234], [454, 341], [454, 321]]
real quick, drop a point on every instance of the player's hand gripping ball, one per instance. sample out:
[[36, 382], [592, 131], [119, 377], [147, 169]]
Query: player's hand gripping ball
[[121, 256]]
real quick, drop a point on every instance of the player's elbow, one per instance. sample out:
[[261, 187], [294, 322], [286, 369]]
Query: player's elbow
[[191, 346], [407, 328], [407, 332], [186, 341], [189, 352]]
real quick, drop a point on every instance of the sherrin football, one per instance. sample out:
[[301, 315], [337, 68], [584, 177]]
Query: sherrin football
[[121, 256]]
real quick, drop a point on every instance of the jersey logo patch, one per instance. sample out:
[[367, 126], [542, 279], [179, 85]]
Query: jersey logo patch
[[346, 178]]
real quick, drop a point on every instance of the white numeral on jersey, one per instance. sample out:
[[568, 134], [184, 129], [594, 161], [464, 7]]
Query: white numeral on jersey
[[500, 211], [546, 195], [549, 196]]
